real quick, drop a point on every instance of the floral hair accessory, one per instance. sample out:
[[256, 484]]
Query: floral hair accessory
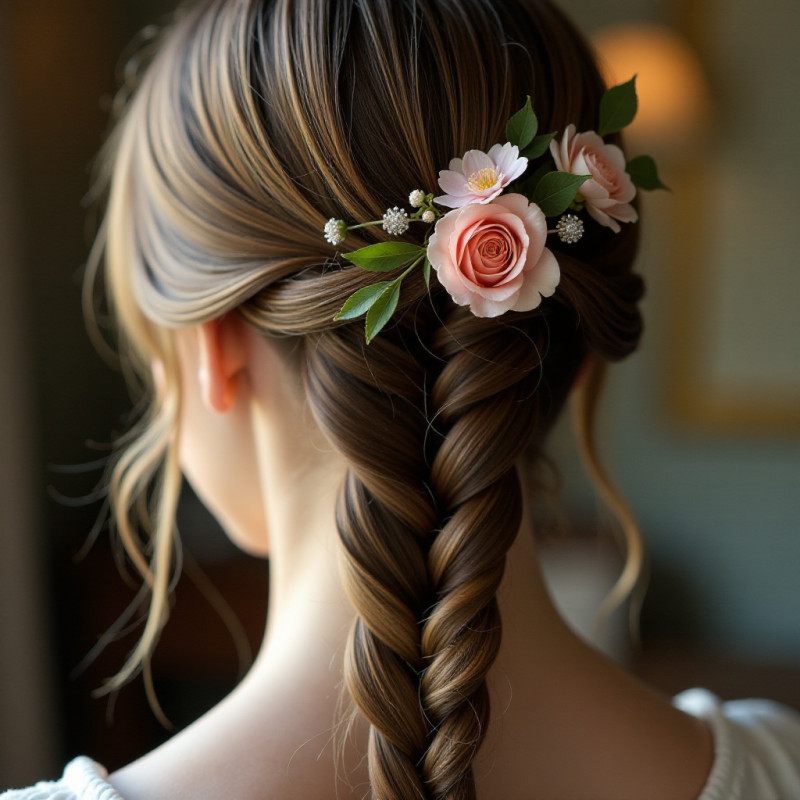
[[480, 177], [489, 251]]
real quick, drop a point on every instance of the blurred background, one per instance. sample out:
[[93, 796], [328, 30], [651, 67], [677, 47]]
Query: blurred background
[[701, 429]]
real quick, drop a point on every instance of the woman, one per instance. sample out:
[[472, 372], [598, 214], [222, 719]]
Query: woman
[[379, 464]]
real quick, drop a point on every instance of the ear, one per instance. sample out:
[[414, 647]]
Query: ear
[[223, 356]]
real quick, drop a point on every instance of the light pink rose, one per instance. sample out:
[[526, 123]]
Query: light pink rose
[[479, 177], [492, 256], [610, 190]]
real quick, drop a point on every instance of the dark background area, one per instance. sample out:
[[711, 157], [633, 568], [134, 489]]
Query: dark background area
[[60, 64]]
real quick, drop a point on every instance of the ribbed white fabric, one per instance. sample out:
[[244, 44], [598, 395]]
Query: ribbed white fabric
[[756, 755], [83, 779], [756, 747]]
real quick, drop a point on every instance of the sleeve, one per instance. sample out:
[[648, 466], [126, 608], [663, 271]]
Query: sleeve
[[45, 790], [83, 779], [756, 747]]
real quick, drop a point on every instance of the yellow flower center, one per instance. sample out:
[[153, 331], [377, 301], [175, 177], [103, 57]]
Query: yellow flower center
[[482, 179]]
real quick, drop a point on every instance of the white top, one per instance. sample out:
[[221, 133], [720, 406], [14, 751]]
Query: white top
[[83, 779], [756, 747], [756, 755]]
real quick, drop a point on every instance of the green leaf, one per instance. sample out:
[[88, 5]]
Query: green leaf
[[538, 147], [382, 309], [556, 191], [644, 173], [618, 107], [426, 272], [385, 256], [522, 126], [528, 186], [361, 301]]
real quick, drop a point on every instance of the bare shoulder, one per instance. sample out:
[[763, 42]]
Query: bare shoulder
[[581, 727]]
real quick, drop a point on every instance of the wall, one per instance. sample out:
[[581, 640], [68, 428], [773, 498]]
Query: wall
[[720, 507], [27, 743]]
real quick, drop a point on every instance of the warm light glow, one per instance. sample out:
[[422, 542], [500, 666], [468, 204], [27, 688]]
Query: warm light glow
[[674, 99]]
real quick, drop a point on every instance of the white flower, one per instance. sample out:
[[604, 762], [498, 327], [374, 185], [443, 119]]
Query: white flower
[[479, 177], [416, 198], [395, 221], [335, 230], [428, 216]]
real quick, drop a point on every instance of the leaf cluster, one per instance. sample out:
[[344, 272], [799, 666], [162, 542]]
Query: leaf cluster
[[553, 191], [379, 300]]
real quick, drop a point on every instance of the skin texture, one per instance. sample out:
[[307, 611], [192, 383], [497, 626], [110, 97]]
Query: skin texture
[[566, 723]]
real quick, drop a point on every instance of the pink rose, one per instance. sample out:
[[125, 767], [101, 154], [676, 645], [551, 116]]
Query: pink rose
[[492, 256], [610, 190], [479, 177]]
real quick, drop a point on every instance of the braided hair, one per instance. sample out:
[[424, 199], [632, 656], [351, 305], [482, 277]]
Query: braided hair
[[256, 121]]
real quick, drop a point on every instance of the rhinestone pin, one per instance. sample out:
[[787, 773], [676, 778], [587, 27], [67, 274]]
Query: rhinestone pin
[[570, 229], [395, 221]]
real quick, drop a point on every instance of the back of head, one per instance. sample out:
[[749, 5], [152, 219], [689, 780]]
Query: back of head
[[256, 122]]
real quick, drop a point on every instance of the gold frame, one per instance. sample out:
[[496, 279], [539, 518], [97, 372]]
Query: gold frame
[[692, 398]]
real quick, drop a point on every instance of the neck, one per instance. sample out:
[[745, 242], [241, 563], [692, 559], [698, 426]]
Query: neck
[[309, 614], [283, 725]]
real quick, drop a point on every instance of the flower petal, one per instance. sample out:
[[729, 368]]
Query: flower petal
[[603, 218], [439, 243], [482, 306], [490, 195], [624, 212], [450, 201], [555, 152], [514, 202], [592, 190], [506, 158], [540, 281], [502, 291], [453, 183], [580, 164], [474, 161], [567, 147], [516, 170]]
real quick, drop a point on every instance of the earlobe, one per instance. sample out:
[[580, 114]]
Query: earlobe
[[222, 358]]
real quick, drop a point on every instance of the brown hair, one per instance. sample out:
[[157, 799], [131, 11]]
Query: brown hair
[[256, 122]]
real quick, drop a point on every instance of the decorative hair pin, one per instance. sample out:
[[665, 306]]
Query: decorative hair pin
[[489, 249]]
